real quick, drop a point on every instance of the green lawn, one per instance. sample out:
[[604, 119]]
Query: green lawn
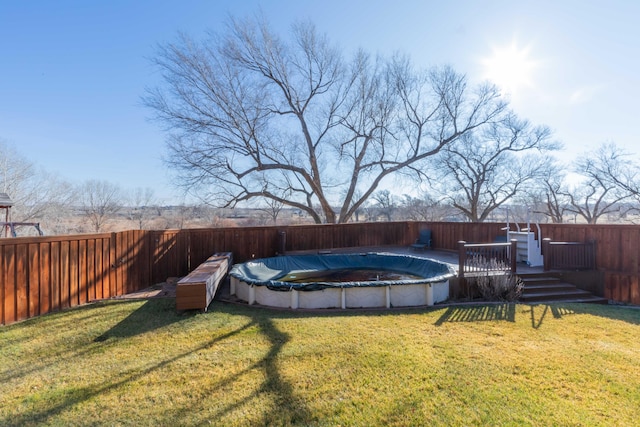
[[141, 363]]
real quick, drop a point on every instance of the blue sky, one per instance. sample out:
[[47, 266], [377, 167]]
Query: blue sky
[[72, 72]]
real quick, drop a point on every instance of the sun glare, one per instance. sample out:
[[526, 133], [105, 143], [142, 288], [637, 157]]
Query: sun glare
[[510, 68]]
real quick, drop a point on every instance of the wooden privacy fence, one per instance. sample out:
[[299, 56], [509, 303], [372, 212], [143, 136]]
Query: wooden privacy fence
[[43, 274], [39, 275]]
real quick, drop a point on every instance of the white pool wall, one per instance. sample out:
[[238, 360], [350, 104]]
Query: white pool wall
[[400, 295]]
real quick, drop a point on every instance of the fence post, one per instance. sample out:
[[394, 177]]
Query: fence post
[[462, 258], [113, 264], [282, 242], [546, 255], [514, 255]]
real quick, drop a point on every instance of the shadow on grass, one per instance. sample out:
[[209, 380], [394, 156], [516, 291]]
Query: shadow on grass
[[286, 408], [540, 312], [629, 314], [150, 316], [155, 314], [146, 318], [559, 310], [60, 402], [537, 312], [478, 313]]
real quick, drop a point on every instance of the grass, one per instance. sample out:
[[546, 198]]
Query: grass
[[141, 363]]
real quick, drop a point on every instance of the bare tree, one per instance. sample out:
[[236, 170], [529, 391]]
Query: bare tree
[[386, 203], [615, 165], [600, 193], [37, 194], [549, 197], [425, 208], [621, 168], [180, 216], [214, 217], [18, 178], [486, 168], [272, 209], [254, 116], [100, 200], [140, 207]]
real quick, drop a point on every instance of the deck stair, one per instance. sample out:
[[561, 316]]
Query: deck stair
[[541, 288]]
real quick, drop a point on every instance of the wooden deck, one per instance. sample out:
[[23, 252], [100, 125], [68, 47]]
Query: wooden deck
[[448, 257]]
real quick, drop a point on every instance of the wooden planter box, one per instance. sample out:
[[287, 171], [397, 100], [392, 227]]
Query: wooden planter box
[[196, 290]]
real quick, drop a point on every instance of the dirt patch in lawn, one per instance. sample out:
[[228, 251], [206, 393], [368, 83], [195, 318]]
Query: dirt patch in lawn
[[159, 290]]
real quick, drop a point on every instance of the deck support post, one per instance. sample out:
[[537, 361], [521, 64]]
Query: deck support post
[[514, 255], [462, 258]]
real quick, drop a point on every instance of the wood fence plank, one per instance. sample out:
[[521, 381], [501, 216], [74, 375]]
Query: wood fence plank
[[44, 269], [33, 281], [65, 274], [131, 270], [121, 244], [120, 247], [91, 273], [113, 265], [22, 277], [145, 257], [3, 281], [9, 271], [634, 297], [106, 268], [54, 276], [99, 270], [74, 273], [82, 272]]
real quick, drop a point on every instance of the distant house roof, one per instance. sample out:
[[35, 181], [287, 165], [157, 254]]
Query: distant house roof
[[5, 201]]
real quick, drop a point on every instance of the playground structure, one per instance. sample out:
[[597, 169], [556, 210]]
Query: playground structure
[[9, 226]]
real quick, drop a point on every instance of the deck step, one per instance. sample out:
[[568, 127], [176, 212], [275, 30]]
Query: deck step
[[548, 299], [537, 280], [553, 295], [550, 287], [545, 289]]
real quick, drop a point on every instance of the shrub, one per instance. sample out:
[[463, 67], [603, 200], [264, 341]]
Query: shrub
[[498, 283]]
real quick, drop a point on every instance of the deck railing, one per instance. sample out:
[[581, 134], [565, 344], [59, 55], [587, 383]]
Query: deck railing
[[569, 255], [483, 258]]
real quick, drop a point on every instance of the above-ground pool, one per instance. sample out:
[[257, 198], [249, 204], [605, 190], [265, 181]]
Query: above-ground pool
[[341, 281]]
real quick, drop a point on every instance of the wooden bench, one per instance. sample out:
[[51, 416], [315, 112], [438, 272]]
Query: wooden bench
[[196, 290]]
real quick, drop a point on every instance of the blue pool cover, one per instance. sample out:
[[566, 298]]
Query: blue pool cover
[[268, 271]]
